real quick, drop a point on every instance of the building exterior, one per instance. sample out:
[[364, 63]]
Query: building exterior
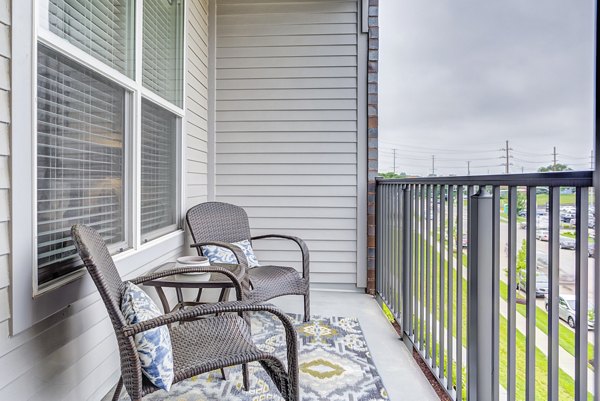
[[271, 106]]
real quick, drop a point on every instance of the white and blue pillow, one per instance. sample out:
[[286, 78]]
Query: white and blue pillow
[[218, 254], [153, 346]]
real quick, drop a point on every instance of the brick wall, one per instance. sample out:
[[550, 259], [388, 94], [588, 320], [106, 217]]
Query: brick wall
[[372, 133]]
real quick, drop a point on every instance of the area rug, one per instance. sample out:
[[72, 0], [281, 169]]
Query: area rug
[[335, 365]]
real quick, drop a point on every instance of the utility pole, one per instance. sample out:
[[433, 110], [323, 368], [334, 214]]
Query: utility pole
[[507, 156], [432, 164], [468, 167], [394, 160], [554, 163]]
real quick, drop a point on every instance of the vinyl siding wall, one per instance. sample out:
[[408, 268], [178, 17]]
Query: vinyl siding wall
[[72, 355], [287, 127], [5, 22], [197, 103]]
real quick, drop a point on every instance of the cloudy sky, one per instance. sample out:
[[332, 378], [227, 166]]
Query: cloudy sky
[[459, 78]]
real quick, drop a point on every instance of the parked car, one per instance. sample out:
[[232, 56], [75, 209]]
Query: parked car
[[523, 225], [566, 310], [465, 241], [522, 213], [566, 216], [567, 243], [542, 235], [591, 249], [541, 284]]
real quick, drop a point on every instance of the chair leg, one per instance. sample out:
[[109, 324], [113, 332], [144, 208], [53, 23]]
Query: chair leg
[[246, 377], [223, 374], [306, 308], [117, 392]]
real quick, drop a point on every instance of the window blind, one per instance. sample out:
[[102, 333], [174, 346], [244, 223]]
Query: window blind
[[162, 49], [80, 162], [159, 170], [102, 28]]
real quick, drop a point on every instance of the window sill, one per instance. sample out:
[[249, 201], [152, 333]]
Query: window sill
[[28, 310]]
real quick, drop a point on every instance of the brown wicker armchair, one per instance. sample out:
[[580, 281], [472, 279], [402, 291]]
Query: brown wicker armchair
[[199, 345], [217, 223]]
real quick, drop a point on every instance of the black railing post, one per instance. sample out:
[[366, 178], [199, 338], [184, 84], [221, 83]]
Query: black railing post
[[480, 300], [406, 271]]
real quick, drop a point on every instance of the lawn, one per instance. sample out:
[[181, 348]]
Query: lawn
[[566, 336], [566, 339]]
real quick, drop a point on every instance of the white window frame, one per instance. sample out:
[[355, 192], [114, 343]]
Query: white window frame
[[31, 303]]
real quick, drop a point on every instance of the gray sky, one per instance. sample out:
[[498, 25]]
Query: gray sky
[[459, 78]]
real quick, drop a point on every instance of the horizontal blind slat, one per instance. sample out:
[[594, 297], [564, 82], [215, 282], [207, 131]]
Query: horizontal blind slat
[[101, 28], [159, 175], [80, 159]]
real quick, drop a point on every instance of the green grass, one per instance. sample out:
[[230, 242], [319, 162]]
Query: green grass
[[571, 234], [566, 340], [542, 199], [566, 337]]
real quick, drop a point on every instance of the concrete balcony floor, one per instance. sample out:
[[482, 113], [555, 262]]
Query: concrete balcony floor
[[400, 373]]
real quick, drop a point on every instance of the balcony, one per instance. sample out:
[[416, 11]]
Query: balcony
[[457, 258], [451, 253]]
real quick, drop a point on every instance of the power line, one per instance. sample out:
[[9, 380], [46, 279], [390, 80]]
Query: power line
[[429, 149]]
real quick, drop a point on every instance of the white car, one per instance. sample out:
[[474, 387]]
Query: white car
[[542, 235], [566, 310]]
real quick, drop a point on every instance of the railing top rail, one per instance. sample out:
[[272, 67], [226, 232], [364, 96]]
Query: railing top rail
[[550, 179]]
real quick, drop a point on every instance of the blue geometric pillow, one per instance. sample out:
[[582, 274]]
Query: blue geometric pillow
[[154, 346], [217, 254]]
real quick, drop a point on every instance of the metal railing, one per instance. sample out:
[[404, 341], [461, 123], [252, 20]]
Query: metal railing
[[448, 268]]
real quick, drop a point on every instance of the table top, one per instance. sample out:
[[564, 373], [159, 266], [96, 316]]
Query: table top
[[216, 280]]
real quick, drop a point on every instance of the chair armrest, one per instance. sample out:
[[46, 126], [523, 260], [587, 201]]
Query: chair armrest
[[301, 244], [208, 269], [237, 251]]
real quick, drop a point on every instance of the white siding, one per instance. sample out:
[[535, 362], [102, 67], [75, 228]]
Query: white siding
[[72, 355], [286, 121], [4, 163], [197, 103]]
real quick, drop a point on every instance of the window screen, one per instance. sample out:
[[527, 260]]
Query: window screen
[[162, 49], [159, 174], [102, 28], [80, 162]]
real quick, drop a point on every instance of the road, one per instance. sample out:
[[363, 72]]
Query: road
[[566, 267]]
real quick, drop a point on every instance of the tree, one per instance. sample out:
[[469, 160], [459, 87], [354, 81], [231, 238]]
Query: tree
[[554, 167], [522, 262], [391, 174], [521, 201]]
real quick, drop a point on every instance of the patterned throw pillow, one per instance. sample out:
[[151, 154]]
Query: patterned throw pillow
[[217, 254], [154, 346]]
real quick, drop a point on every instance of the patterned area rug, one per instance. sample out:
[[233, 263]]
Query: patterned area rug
[[335, 365]]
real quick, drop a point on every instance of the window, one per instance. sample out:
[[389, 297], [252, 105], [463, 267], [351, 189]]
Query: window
[[103, 29], [107, 132], [158, 171], [162, 49], [80, 163]]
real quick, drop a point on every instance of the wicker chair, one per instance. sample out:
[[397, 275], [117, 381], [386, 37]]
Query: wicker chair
[[217, 223], [199, 345]]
